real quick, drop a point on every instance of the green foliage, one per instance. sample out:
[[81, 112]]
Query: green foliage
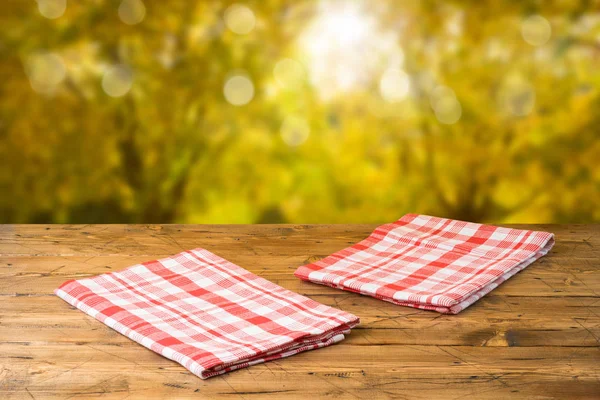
[[173, 149]]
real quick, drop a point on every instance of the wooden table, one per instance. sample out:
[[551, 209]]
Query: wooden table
[[536, 335]]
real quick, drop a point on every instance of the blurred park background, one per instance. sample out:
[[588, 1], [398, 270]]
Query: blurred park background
[[273, 111]]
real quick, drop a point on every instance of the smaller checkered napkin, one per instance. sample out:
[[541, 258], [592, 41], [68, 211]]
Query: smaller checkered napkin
[[206, 313], [430, 263]]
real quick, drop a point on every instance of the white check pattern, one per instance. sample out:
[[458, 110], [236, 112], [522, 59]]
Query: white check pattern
[[207, 314], [430, 263]]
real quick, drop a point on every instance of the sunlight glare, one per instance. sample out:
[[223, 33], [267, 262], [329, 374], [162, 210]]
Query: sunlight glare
[[345, 47]]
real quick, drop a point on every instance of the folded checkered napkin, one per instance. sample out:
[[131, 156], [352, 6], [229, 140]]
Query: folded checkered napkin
[[206, 313], [430, 263]]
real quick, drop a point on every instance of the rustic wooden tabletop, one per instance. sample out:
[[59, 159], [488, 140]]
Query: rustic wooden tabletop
[[536, 336]]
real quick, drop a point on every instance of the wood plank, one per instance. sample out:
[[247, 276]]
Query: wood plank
[[263, 240], [115, 371], [549, 277], [495, 321]]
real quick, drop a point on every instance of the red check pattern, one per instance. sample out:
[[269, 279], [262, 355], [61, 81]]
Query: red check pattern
[[430, 263], [206, 313]]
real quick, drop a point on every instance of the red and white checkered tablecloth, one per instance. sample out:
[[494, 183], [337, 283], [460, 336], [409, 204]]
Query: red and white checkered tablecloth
[[430, 263], [207, 314]]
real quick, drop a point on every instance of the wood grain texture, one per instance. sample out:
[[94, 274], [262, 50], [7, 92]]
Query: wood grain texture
[[536, 336]]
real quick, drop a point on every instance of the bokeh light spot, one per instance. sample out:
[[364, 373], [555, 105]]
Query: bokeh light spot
[[45, 71], [394, 85], [446, 106], [440, 93], [238, 90], [132, 12], [289, 73], [117, 81], [52, 9], [448, 110], [294, 131], [517, 96], [536, 30], [240, 19]]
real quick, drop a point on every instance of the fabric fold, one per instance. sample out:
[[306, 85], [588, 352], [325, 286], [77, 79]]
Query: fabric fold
[[206, 313], [430, 263]]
